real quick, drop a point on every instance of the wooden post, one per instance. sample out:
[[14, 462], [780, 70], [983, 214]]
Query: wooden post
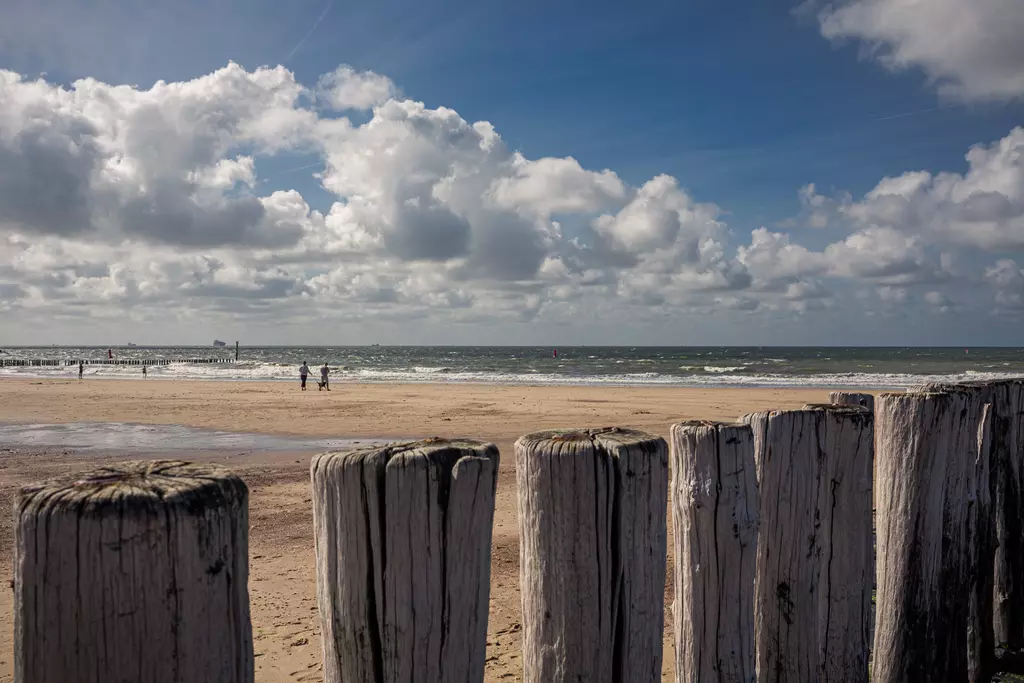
[[814, 553], [987, 456], [403, 559], [714, 524], [1008, 475], [592, 555], [927, 479], [849, 398], [137, 572]]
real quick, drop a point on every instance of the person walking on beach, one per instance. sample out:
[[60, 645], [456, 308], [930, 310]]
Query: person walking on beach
[[81, 369], [303, 373], [324, 371], [143, 369]]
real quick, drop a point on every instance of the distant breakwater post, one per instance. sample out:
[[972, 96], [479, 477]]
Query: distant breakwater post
[[64, 362], [136, 572], [773, 553]]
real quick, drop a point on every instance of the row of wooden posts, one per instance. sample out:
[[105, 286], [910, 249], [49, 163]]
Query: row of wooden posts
[[139, 572]]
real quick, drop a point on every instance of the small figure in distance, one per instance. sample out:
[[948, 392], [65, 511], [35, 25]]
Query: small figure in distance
[[322, 384], [303, 373], [81, 369], [144, 370]]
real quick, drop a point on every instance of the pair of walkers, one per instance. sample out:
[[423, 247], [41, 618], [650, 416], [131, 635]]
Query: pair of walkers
[[322, 384]]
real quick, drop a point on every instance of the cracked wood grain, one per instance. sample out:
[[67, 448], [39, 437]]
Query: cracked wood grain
[[931, 454], [592, 529], [134, 572], [990, 452], [1008, 502], [403, 549], [814, 552], [715, 526]]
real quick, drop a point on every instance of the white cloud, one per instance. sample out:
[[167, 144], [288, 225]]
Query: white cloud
[[816, 209], [983, 208], [1007, 278], [153, 204], [551, 185], [971, 48], [661, 223], [114, 162], [883, 255], [775, 263], [345, 88]]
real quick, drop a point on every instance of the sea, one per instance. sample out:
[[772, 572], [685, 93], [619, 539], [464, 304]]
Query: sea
[[737, 366]]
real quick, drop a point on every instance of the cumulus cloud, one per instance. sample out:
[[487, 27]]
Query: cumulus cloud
[[345, 88], [153, 203], [1007, 279], [983, 208], [552, 185], [884, 255], [662, 227], [971, 49], [776, 263], [114, 162]]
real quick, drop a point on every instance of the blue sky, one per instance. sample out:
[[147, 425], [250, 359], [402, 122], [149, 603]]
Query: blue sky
[[742, 103]]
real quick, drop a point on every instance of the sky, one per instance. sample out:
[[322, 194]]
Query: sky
[[452, 172]]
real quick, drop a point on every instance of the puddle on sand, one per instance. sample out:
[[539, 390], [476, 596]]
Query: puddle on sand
[[158, 438]]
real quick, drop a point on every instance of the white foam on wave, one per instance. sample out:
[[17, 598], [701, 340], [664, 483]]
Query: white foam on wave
[[720, 377]]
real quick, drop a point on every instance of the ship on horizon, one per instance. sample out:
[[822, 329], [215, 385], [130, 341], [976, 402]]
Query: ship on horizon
[[218, 343]]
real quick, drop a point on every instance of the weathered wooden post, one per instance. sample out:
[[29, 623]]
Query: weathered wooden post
[[714, 524], [136, 572], [850, 398], [592, 555], [403, 559], [981, 544], [814, 552], [1008, 474], [927, 479]]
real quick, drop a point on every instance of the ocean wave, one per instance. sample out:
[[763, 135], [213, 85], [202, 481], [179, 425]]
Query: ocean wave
[[721, 376], [724, 368]]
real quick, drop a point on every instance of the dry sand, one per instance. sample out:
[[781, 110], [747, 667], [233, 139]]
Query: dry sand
[[282, 589]]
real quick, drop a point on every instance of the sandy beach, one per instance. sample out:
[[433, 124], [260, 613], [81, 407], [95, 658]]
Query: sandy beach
[[282, 588]]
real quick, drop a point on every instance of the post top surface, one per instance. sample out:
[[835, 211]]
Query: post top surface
[[606, 438], [137, 486], [429, 449]]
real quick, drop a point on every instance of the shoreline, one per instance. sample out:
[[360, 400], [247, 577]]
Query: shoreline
[[385, 410], [854, 381], [824, 386], [437, 380]]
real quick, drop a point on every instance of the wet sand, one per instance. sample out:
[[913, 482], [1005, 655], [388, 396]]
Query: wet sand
[[282, 588]]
